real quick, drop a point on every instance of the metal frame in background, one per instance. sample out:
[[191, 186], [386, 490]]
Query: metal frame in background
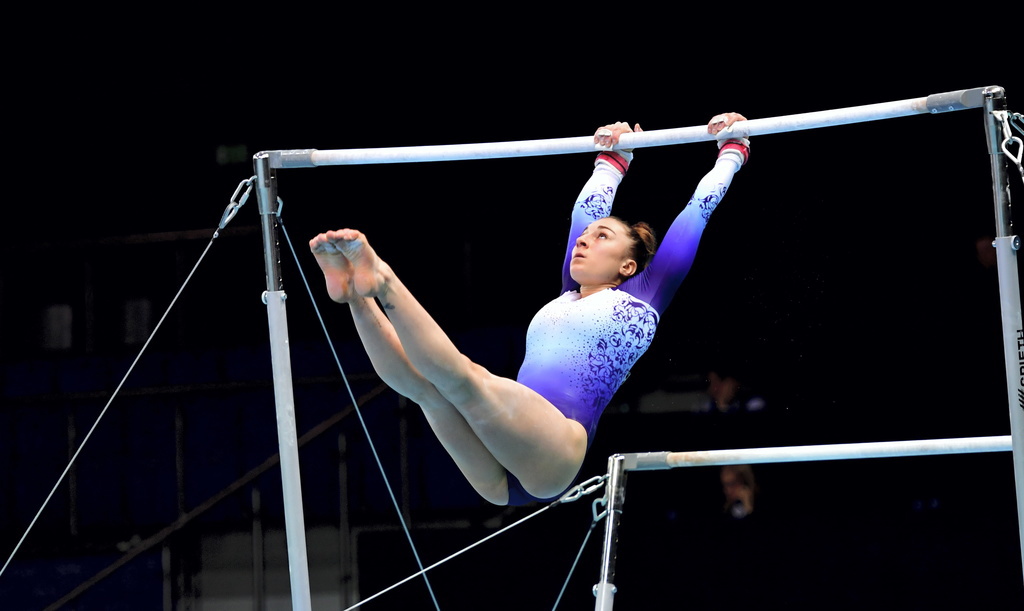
[[269, 162]]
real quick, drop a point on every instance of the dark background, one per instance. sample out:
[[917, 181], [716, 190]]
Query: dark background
[[839, 280]]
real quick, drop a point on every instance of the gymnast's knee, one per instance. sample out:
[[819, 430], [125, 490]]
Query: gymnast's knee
[[464, 387]]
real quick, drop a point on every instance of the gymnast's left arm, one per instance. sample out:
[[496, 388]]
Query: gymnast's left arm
[[658, 283]]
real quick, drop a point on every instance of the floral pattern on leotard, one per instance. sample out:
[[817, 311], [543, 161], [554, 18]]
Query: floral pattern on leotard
[[709, 202], [597, 205], [613, 356]]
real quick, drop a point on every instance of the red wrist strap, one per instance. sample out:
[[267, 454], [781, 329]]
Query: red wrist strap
[[737, 146], [615, 159]]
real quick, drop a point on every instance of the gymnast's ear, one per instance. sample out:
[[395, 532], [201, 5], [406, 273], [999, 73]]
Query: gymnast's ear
[[628, 268]]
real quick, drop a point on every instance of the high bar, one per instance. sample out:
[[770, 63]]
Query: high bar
[[933, 104], [843, 451]]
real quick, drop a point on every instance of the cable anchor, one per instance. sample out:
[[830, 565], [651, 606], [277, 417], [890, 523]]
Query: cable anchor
[[236, 201], [1007, 119], [583, 488]]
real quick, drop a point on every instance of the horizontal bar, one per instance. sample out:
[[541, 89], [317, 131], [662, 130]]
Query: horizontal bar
[[843, 451], [933, 104]]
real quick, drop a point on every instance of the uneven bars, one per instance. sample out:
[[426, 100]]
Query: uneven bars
[[932, 104], [647, 461]]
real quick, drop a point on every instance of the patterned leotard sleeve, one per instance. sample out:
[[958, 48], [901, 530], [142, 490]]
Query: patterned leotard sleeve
[[594, 202]]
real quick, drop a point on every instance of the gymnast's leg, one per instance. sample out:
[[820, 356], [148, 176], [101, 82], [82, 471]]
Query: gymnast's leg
[[477, 464], [522, 430]]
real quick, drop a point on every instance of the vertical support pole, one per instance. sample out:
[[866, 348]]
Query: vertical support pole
[[167, 566], [1007, 246], [348, 579], [615, 497], [274, 297], [259, 565]]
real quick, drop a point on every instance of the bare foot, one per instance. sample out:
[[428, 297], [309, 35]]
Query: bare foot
[[352, 262], [336, 268]]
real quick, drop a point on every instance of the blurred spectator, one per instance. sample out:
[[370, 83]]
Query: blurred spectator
[[727, 395], [739, 489]]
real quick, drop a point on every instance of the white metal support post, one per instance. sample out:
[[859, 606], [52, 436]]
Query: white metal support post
[[274, 297], [1007, 246], [615, 496]]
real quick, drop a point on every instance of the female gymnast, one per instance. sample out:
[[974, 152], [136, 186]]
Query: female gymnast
[[524, 440]]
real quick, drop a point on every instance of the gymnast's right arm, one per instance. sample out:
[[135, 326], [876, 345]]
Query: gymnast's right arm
[[596, 197]]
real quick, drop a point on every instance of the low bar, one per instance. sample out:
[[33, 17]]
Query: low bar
[[648, 461], [620, 464]]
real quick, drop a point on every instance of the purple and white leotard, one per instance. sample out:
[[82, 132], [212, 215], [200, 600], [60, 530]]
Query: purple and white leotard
[[580, 350]]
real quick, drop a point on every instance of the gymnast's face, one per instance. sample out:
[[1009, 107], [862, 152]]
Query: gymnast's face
[[601, 254]]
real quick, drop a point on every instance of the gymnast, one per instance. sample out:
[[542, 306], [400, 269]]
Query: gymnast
[[524, 440]]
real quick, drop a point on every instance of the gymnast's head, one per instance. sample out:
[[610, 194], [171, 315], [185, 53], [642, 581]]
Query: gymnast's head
[[610, 251]]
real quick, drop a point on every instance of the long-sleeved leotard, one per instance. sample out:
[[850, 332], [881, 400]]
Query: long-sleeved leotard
[[580, 350]]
